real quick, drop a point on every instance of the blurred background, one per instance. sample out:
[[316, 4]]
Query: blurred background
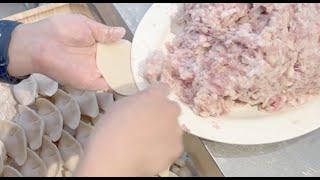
[[7, 9]]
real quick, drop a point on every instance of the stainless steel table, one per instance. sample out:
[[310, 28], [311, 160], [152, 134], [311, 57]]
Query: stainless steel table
[[297, 157]]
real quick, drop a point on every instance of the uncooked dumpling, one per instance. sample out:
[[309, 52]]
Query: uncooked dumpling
[[32, 124], [26, 91], [52, 118], [70, 150], [105, 100], [9, 171], [87, 101], [13, 137], [68, 107], [165, 173], [97, 119], [172, 174], [118, 96], [60, 174], [87, 119], [67, 173], [72, 132], [46, 85], [11, 162], [50, 155], [3, 151], [2, 156], [83, 132], [34, 166]]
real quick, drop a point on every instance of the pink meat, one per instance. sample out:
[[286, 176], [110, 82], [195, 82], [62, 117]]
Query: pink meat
[[262, 54]]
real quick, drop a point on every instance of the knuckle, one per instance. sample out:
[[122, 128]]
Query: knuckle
[[109, 34]]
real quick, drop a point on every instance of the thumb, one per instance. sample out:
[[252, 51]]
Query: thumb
[[105, 34]]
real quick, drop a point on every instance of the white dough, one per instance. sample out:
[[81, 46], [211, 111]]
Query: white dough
[[14, 139], [113, 61]]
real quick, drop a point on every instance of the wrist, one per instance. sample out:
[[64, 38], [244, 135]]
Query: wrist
[[6, 30], [23, 51]]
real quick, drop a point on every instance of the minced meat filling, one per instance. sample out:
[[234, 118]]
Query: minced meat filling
[[266, 55]]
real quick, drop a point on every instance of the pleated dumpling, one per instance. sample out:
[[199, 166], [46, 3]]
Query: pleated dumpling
[[51, 116], [105, 100], [67, 173], [68, 107], [26, 91], [50, 155], [9, 171], [83, 132], [87, 119], [46, 85], [32, 124], [3, 155], [72, 132], [34, 166], [87, 101], [70, 150], [95, 120], [13, 137]]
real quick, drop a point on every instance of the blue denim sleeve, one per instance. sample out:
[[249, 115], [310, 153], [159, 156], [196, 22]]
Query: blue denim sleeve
[[6, 28]]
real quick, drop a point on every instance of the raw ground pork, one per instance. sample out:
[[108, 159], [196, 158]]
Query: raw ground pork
[[266, 55]]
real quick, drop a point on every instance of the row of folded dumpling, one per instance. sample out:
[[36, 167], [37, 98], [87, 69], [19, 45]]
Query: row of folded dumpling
[[48, 134]]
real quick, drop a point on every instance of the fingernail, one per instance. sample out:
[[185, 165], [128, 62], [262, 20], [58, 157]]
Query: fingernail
[[119, 30]]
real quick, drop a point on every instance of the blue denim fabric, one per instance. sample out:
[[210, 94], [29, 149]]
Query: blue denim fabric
[[6, 28]]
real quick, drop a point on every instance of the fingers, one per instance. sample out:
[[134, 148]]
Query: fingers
[[161, 88], [105, 34], [98, 84]]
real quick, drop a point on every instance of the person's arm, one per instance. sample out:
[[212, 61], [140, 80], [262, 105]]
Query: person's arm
[[139, 135], [63, 47], [6, 30]]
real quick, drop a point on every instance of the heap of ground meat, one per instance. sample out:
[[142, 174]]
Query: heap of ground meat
[[265, 55]]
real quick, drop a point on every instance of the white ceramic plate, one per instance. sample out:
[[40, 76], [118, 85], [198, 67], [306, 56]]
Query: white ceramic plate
[[245, 125]]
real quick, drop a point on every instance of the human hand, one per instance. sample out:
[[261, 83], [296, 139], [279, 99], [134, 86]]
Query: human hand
[[62, 47], [138, 136]]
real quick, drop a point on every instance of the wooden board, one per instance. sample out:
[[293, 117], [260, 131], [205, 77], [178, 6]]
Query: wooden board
[[45, 11]]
